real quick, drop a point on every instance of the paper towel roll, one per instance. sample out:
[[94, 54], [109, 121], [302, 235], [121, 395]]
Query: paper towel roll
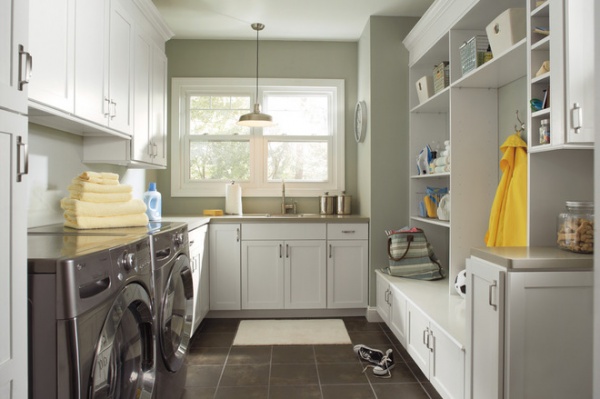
[[233, 199]]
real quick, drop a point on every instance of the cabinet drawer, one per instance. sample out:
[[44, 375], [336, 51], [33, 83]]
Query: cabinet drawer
[[347, 231], [283, 231]]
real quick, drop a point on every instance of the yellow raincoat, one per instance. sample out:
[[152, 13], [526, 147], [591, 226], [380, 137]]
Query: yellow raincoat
[[508, 217]]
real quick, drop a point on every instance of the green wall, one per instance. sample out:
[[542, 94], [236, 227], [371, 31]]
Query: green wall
[[278, 59]]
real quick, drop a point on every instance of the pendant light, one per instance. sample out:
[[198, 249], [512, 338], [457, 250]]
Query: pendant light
[[256, 118]]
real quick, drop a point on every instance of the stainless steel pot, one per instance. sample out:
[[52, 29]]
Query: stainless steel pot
[[344, 204], [327, 204]]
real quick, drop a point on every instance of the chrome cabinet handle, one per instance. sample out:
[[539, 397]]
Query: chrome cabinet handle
[[490, 299], [431, 341], [425, 337], [25, 160], [114, 108], [287, 250], [576, 118], [24, 76], [330, 255], [238, 234], [280, 251], [106, 107], [348, 231]]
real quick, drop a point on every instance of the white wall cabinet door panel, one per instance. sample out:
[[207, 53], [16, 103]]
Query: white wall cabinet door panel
[[140, 141], [158, 111], [305, 275], [120, 86], [14, 17], [580, 71], [13, 258], [225, 263], [52, 43], [347, 274], [262, 275]]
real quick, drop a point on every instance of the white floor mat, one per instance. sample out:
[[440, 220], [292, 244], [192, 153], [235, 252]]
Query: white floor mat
[[291, 332]]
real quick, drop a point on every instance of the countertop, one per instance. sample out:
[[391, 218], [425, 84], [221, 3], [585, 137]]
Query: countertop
[[535, 258], [197, 221]]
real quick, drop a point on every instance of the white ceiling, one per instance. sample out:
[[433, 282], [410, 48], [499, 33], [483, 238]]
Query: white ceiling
[[335, 20]]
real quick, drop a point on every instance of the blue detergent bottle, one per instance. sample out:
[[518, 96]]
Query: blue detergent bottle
[[153, 201]]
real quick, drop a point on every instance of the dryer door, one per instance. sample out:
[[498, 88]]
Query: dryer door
[[124, 364], [176, 314]]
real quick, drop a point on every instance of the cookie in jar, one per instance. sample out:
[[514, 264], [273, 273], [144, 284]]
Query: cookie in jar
[[575, 231]]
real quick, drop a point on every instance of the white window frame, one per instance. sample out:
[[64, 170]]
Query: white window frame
[[182, 187]]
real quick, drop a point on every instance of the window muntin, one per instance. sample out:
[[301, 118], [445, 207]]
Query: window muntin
[[305, 148]]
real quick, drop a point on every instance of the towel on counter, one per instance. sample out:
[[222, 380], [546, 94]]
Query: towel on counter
[[82, 186], [83, 208], [99, 178], [100, 197], [98, 222]]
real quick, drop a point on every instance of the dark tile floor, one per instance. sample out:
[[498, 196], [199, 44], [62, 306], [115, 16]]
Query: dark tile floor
[[216, 369]]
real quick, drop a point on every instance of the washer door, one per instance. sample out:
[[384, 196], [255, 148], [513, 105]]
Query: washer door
[[124, 363], [176, 314]]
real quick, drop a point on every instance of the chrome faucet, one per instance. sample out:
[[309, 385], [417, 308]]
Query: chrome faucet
[[285, 207]]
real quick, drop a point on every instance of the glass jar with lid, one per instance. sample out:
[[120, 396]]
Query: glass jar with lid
[[576, 227], [544, 131]]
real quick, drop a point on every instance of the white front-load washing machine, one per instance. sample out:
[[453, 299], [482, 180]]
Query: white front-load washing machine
[[92, 331], [173, 287]]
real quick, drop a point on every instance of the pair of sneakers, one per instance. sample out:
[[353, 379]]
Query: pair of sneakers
[[381, 362]]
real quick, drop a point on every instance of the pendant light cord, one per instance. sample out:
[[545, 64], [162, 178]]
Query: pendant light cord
[[256, 98]]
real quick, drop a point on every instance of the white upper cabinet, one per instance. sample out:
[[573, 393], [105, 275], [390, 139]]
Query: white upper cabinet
[[16, 62], [104, 77], [51, 40]]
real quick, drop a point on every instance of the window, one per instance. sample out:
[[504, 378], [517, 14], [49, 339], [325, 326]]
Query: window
[[305, 148]]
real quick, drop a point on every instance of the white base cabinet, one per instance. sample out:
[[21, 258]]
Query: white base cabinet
[[530, 331], [439, 357], [225, 256], [283, 274], [430, 325], [347, 265]]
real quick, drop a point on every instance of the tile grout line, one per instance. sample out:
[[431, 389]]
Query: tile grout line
[[317, 367]]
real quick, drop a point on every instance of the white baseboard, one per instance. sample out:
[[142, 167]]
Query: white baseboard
[[372, 315]]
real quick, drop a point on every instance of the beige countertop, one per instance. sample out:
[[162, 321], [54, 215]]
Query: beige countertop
[[197, 221], [535, 258]]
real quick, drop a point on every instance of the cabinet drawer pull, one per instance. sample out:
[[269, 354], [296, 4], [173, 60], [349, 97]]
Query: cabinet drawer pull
[[348, 231], [330, 250], [280, 251], [238, 234], [426, 337], [490, 299], [287, 251]]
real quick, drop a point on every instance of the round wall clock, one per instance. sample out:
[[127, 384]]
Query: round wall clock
[[360, 121]]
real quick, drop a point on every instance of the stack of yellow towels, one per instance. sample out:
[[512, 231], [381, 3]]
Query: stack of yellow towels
[[97, 200]]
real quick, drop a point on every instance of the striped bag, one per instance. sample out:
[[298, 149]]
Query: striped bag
[[411, 256]]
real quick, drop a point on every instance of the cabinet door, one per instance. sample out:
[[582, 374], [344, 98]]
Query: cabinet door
[[91, 49], [13, 260], [579, 70], [485, 327], [14, 17], [382, 294], [398, 317], [549, 335], [158, 112], [204, 281], [447, 368], [347, 274], [120, 66], [225, 259], [197, 239], [141, 149], [52, 42], [262, 274], [418, 337], [305, 275]]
